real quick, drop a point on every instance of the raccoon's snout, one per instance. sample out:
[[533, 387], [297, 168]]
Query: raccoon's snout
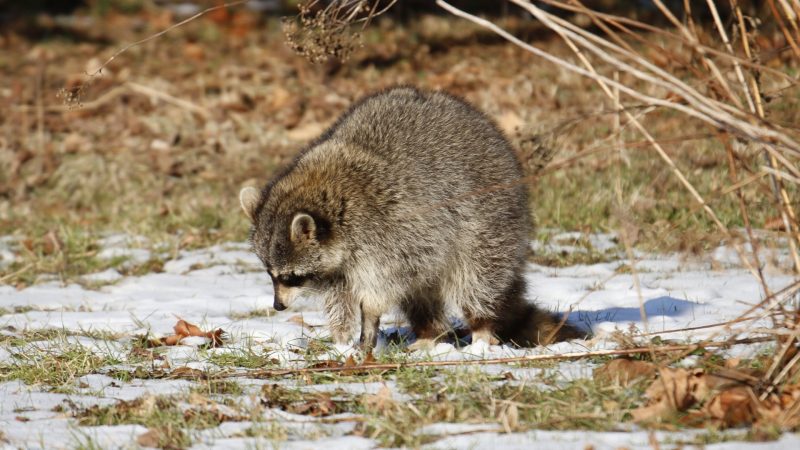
[[278, 305]]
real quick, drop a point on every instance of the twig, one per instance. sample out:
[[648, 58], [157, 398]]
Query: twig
[[769, 170], [743, 210], [698, 105], [129, 86], [619, 22], [785, 31], [162, 32], [185, 104], [756, 107], [605, 82]]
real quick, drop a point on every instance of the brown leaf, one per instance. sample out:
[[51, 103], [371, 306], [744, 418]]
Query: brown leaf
[[182, 328], [188, 373], [51, 243], [174, 339], [185, 329], [194, 330], [216, 337], [675, 390], [327, 364], [624, 371], [28, 244], [734, 407], [318, 406]]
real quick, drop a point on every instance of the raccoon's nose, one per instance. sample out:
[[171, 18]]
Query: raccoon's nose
[[278, 305]]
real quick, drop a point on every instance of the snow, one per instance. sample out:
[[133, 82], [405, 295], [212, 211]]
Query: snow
[[582, 439], [219, 287]]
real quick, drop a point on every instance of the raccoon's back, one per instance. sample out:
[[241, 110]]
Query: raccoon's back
[[439, 144]]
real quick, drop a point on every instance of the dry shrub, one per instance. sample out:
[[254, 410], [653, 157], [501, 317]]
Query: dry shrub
[[324, 30]]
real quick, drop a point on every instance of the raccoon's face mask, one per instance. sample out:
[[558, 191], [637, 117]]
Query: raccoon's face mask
[[297, 255], [299, 252]]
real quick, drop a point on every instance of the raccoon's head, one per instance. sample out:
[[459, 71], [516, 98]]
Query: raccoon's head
[[298, 249]]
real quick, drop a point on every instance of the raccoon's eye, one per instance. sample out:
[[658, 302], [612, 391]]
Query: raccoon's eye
[[292, 280]]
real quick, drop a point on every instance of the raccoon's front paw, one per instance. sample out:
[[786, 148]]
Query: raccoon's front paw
[[422, 344]]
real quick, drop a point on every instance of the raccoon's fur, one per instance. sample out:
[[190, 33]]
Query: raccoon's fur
[[411, 199]]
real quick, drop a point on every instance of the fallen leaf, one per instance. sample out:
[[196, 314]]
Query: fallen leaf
[[317, 406], [48, 244], [188, 373], [733, 407], [185, 329], [624, 371], [675, 390], [327, 364], [171, 340]]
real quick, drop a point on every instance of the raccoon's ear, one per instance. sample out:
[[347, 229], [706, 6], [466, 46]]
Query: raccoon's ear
[[303, 228], [249, 198]]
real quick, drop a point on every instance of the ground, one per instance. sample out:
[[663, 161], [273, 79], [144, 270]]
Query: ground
[[83, 368]]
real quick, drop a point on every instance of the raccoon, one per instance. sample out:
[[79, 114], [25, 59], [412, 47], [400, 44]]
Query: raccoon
[[412, 199]]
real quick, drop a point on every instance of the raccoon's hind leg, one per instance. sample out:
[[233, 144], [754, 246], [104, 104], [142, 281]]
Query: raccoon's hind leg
[[426, 313], [468, 286], [483, 329]]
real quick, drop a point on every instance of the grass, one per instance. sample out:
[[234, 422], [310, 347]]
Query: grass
[[246, 357], [470, 395], [51, 361], [170, 423]]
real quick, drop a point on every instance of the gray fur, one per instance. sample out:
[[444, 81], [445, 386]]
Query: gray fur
[[416, 202]]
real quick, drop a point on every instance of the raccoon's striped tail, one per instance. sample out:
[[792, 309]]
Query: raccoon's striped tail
[[527, 325]]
